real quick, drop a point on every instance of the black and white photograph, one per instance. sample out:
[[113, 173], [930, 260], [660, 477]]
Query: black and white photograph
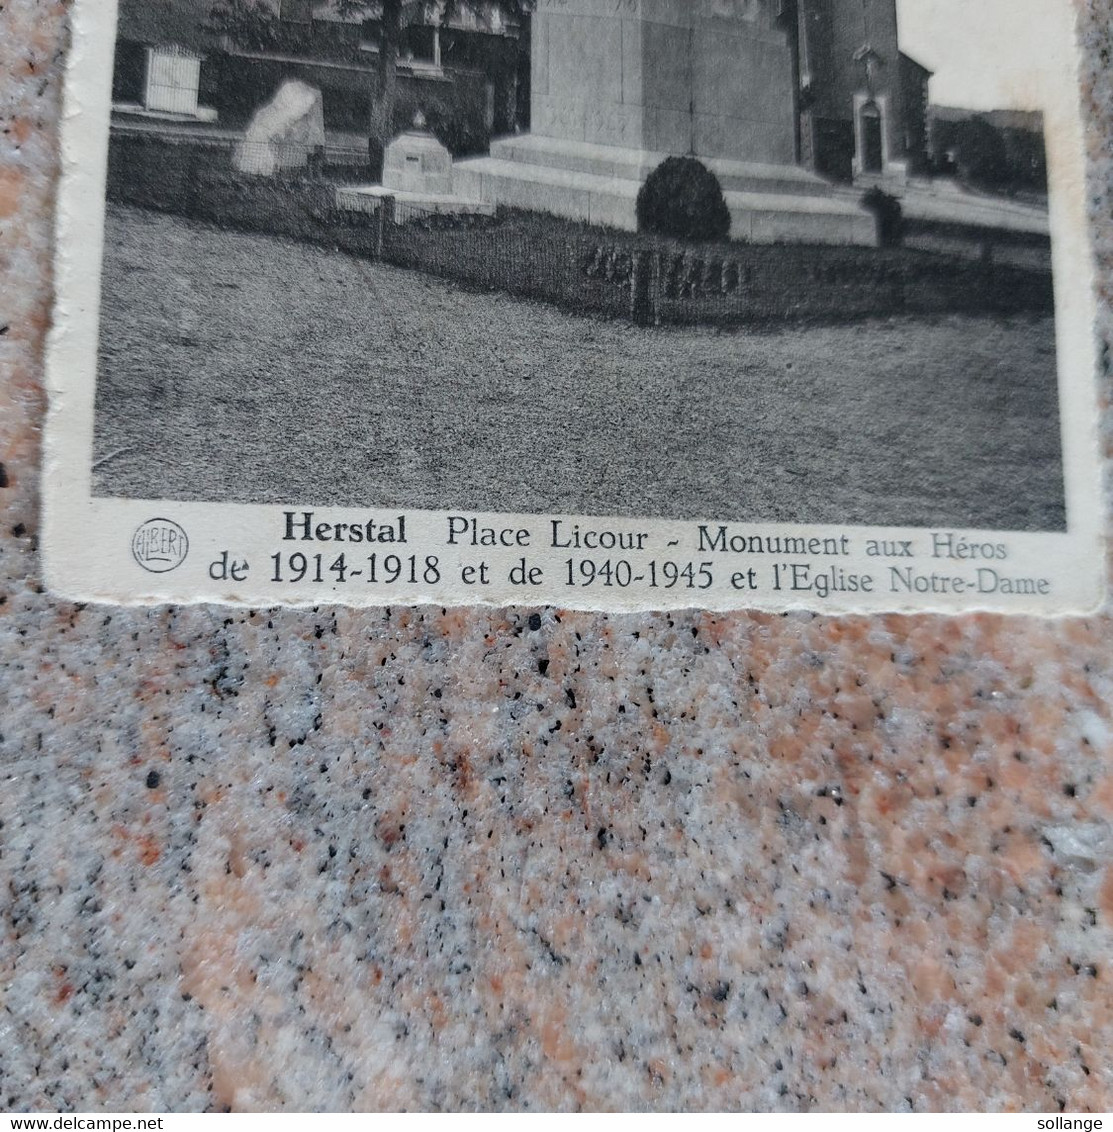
[[764, 261]]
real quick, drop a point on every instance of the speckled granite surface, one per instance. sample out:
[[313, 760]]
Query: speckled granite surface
[[506, 860]]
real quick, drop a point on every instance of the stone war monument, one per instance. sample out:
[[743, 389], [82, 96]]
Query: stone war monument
[[619, 85], [712, 78], [282, 133]]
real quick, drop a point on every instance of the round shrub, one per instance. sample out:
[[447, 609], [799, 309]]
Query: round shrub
[[683, 198], [889, 215]]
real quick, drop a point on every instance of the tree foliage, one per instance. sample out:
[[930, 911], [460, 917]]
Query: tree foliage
[[394, 17], [252, 24], [980, 154]]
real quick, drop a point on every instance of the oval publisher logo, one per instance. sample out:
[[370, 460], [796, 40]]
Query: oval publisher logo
[[159, 545]]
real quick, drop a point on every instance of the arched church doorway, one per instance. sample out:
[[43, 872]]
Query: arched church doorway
[[873, 145]]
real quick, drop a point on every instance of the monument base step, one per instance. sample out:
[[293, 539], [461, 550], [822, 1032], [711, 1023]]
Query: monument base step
[[407, 205], [761, 217], [636, 165]]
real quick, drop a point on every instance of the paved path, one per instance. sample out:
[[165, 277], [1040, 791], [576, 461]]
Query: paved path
[[945, 201], [240, 367]]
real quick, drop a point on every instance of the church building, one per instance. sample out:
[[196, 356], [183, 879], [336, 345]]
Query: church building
[[862, 101]]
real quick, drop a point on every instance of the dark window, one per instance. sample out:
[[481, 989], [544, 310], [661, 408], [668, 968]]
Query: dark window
[[129, 72]]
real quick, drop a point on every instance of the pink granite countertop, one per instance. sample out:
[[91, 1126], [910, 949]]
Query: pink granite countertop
[[519, 860]]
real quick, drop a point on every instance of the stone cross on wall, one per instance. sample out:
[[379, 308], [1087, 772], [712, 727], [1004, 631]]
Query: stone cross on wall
[[709, 77]]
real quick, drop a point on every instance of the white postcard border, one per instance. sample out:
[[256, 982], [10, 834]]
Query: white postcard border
[[89, 543]]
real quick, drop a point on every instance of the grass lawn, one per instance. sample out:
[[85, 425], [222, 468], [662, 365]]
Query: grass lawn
[[244, 368]]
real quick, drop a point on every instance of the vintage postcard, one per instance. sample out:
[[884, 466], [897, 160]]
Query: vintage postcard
[[611, 304]]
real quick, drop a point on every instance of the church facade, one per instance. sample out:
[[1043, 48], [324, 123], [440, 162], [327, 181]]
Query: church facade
[[862, 103]]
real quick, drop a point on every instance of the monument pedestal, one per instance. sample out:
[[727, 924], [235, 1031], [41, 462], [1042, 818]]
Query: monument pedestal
[[599, 184], [419, 178]]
